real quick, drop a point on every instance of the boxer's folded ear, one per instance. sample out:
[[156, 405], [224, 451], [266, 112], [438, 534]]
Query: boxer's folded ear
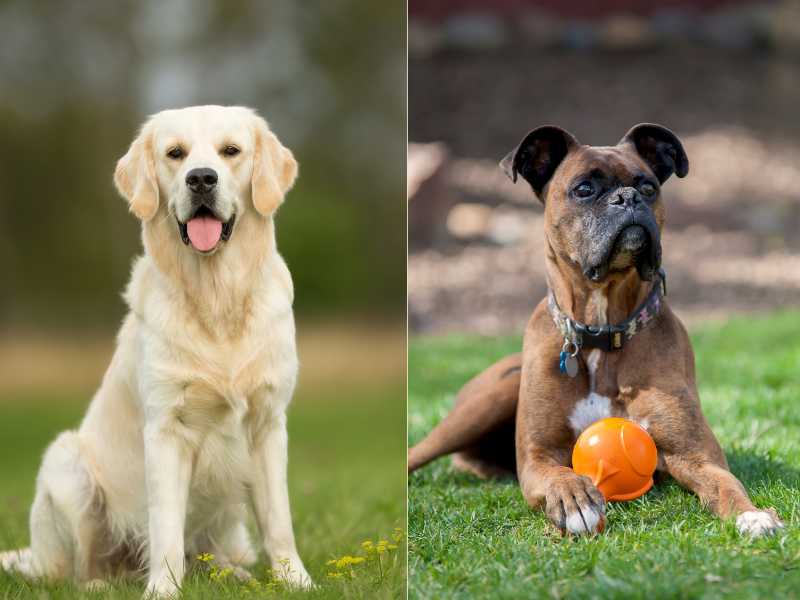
[[538, 155], [660, 148]]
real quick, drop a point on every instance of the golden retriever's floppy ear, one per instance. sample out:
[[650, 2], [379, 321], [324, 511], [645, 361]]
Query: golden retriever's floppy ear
[[274, 170], [135, 177]]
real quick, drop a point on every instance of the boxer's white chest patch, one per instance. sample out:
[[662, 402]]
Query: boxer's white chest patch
[[592, 408]]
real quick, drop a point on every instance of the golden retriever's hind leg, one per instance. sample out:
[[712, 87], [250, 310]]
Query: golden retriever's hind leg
[[228, 540], [237, 546], [67, 515]]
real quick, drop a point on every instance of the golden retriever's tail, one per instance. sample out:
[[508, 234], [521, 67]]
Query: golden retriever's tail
[[484, 403]]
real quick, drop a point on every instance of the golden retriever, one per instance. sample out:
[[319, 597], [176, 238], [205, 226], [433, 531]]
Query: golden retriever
[[189, 423]]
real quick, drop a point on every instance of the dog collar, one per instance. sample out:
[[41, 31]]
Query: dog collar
[[606, 337]]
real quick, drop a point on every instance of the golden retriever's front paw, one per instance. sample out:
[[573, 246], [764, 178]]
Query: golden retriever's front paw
[[292, 572], [160, 589], [757, 523]]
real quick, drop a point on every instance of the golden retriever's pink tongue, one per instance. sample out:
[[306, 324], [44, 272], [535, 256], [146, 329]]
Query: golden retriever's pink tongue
[[204, 232]]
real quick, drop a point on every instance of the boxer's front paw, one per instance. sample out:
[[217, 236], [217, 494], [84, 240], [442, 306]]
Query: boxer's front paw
[[575, 505], [756, 523]]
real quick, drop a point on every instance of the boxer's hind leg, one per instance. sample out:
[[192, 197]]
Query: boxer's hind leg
[[66, 518], [493, 457], [484, 404]]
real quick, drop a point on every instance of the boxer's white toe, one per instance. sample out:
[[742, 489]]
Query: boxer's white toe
[[584, 521], [756, 523]]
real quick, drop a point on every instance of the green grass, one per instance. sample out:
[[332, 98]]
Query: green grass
[[347, 483], [475, 539]]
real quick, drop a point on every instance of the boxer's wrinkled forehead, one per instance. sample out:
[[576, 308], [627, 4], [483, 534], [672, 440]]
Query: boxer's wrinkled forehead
[[610, 164], [547, 152]]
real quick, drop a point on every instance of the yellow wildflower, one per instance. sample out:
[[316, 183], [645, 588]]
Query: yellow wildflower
[[205, 557], [346, 561], [220, 574]]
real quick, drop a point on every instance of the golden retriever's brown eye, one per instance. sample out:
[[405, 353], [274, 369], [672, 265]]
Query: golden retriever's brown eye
[[175, 153], [230, 150]]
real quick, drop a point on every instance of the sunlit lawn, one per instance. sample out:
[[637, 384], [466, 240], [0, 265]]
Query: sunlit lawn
[[475, 539], [347, 481]]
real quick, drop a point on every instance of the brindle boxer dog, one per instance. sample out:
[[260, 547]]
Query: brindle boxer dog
[[604, 342]]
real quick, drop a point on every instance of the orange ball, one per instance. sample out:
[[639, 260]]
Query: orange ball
[[619, 456]]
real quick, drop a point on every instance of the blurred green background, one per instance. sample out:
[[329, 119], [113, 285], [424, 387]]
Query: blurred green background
[[77, 80]]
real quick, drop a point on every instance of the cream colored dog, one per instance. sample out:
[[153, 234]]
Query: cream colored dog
[[189, 423]]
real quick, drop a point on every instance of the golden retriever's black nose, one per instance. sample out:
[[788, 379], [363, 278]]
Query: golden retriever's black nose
[[201, 181]]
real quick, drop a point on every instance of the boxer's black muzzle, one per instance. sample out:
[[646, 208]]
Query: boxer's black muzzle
[[619, 224]]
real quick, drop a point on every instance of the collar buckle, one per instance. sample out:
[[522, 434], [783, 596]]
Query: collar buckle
[[610, 337]]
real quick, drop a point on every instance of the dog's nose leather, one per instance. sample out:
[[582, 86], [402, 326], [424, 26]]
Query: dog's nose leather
[[626, 196], [201, 180]]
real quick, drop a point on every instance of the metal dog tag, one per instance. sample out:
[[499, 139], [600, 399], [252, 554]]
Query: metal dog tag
[[570, 365], [567, 361]]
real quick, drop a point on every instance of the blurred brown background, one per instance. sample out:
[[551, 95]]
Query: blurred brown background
[[724, 75]]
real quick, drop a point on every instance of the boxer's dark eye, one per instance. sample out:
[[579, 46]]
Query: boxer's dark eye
[[584, 190], [648, 189]]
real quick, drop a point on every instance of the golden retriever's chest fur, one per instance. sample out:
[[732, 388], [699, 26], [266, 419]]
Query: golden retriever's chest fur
[[235, 376], [222, 388], [246, 365], [228, 397]]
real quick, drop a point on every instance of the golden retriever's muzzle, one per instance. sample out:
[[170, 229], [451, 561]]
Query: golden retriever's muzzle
[[205, 229]]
